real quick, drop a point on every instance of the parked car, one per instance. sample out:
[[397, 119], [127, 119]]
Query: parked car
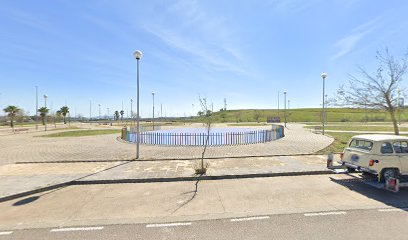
[[385, 156]]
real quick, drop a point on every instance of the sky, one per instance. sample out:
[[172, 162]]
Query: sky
[[80, 53]]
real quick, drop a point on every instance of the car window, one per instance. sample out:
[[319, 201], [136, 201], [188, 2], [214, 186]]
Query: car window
[[400, 147], [361, 144], [386, 148]]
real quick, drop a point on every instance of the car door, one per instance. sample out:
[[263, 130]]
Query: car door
[[401, 150]]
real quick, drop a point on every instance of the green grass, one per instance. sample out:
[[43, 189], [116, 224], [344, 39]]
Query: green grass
[[247, 124], [81, 133], [340, 141], [312, 115], [361, 128]]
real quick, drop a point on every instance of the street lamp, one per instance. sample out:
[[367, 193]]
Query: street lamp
[[45, 116], [284, 93], [99, 108], [138, 55], [131, 108], [36, 107], [324, 75], [153, 110]]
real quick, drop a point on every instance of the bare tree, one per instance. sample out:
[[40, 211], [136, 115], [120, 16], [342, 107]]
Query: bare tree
[[207, 118], [377, 90]]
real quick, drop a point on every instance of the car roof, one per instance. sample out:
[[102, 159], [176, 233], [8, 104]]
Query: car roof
[[380, 137]]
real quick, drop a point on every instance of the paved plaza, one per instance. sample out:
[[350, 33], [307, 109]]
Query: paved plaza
[[29, 147]]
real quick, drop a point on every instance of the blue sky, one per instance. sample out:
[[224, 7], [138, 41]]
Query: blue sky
[[245, 51]]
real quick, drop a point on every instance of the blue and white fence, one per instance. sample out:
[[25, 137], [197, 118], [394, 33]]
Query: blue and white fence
[[200, 138]]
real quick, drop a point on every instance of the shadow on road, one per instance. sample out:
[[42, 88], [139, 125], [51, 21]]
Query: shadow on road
[[360, 185]]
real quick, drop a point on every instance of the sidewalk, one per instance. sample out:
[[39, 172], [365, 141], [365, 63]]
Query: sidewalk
[[17, 180]]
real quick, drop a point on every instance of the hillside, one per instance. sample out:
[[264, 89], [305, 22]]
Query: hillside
[[306, 115]]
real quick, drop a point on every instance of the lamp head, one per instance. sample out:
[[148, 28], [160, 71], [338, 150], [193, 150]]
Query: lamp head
[[324, 75], [138, 54]]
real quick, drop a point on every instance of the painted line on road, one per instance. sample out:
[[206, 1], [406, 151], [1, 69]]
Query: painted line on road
[[323, 214], [75, 229], [168, 224], [393, 209], [6, 233], [249, 218]]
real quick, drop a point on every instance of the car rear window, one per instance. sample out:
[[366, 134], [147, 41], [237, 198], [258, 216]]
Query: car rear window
[[401, 147], [361, 144]]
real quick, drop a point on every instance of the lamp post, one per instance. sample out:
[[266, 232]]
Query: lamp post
[[138, 55], [99, 106], [36, 107], [131, 108], [288, 109], [284, 93], [324, 75], [153, 110], [45, 116]]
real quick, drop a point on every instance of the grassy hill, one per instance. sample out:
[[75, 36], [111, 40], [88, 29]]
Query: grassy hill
[[306, 115]]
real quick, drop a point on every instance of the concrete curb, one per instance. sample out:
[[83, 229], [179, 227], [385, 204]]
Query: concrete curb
[[174, 159], [195, 178], [157, 180], [31, 192]]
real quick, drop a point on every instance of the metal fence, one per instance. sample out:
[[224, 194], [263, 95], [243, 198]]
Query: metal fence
[[199, 139]]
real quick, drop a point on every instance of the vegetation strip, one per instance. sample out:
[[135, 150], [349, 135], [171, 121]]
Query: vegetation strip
[[82, 133]]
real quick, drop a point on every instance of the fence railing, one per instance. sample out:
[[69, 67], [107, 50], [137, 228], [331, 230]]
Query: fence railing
[[199, 139]]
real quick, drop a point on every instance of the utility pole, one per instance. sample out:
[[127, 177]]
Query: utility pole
[[36, 107], [278, 105]]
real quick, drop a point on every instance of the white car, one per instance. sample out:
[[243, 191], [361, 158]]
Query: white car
[[383, 155]]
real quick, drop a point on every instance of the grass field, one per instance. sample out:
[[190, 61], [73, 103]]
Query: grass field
[[81, 133], [383, 128], [340, 115]]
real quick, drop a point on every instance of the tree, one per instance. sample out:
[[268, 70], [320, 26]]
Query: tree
[[43, 114], [116, 116], [200, 113], [257, 115], [64, 111], [207, 121], [12, 112], [121, 115], [377, 90]]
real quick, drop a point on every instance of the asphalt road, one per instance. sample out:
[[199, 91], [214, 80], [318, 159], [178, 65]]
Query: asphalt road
[[389, 223]]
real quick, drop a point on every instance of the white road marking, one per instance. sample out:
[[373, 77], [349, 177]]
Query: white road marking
[[393, 209], [6, 233], [75, 229], [249, 218], [324, 214], [168, 224]]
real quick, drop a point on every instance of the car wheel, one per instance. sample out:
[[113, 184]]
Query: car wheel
[[389, 173], [350, 170]]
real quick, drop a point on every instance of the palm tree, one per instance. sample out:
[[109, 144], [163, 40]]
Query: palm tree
[[116, 115], [43, 113], [121, 115], [12, 112], [64, 111]]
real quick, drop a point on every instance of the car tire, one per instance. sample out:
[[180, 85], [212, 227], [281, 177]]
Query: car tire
[[350, 169], [389, 173]]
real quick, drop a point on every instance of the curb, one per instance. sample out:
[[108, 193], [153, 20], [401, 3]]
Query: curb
[[195, 178], [158, 180], [31, 192], [174, 159]]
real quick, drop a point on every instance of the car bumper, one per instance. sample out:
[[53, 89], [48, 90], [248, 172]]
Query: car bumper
[[359, 168]]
